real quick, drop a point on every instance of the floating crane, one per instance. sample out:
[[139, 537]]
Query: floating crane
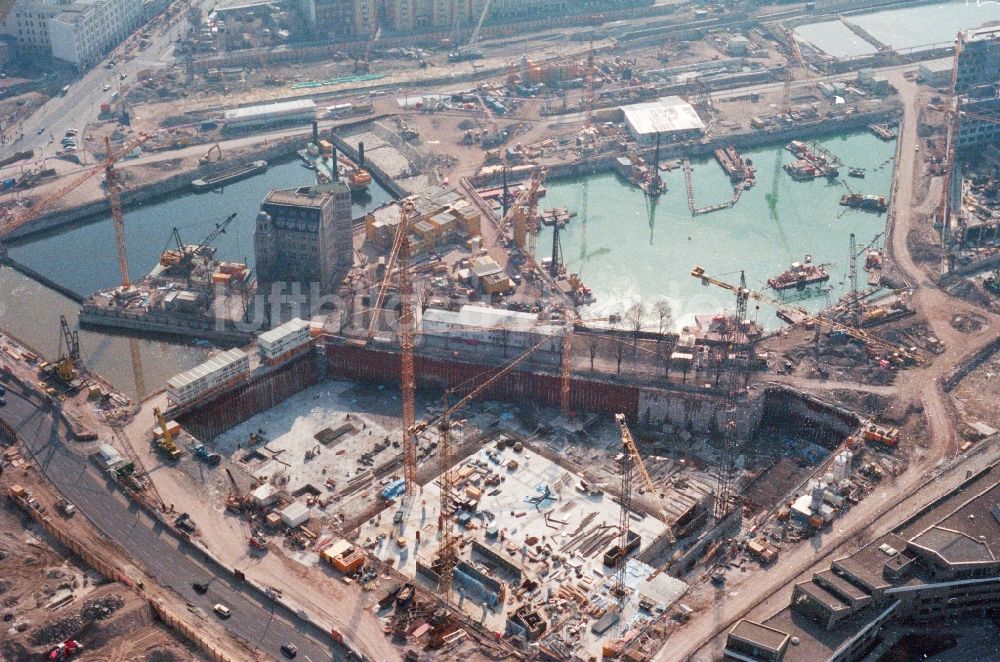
[[185, 253], [805, 315]]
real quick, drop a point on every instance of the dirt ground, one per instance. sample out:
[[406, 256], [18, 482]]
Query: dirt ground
[[110, 620], [977, 396]]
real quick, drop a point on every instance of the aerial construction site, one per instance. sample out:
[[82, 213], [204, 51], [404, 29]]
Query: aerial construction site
[[506, 330]]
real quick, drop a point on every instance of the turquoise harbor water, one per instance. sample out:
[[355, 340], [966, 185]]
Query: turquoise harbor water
[[620, 255], [624, 257], [83, 259], [902, 29]]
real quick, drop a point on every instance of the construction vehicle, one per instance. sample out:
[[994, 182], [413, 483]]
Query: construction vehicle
[[234, 500], [66, 507], [65, 650], [65, 369], [258, 540], [202, 453], [164, 437], [880, 435], [207, 158], [471, 51], [185, 523]]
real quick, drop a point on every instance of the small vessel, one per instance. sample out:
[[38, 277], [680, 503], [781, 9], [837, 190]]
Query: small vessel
[[359, 180], [799, 275], [229, 175], [868, 202], [856, 172], [873, 260]]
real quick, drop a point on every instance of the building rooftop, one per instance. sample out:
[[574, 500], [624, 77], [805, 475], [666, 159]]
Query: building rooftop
[[304, 196], [270, 108], [490, 318], [279, 332], [939, 65], [215, 363], [982, 33], [970, 534], [759, 635], [664, 115]]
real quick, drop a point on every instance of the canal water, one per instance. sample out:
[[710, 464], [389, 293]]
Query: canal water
[[83, 259], [625, 257], [908, 28]]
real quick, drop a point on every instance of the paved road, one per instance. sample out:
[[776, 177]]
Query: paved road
[[255, 618]]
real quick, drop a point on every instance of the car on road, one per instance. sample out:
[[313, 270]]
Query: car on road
[[3, 401], [289, 650], [122, 76], [222, 610], [106, 87], [41, 130], [200, 587], [3, 390]]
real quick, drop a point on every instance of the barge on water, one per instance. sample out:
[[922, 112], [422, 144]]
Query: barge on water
[[799, 275], [867, 202], [229, 175], [883, 131]]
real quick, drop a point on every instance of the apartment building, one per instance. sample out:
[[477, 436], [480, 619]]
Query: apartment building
[[340, 19], [28, 24], [304, 235], [86, 30], [978, 59], [939, 567]]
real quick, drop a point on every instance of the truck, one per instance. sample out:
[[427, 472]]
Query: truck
[[66, 507], [201, 451], [881, 435]]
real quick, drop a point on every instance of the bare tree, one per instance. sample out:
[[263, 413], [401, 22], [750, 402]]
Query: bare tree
[[503, 336], [593, 344], [665, 316], [619, 348], [635, 316]]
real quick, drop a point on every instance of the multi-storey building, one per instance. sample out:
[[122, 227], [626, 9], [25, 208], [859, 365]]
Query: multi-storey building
[[978, 123], [28, 24], [940, 566], [341, 19], [304, 235], [978, 60], [85, 30]]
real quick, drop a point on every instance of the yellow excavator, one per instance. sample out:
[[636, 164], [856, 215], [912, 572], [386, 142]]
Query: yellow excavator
[[164, 437]]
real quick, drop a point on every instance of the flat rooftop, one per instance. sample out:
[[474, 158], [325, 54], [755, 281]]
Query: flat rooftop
[[760, 635], [304, 196], [665, 115]]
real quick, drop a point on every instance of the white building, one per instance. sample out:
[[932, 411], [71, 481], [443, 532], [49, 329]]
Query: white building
[[215, 372], [490, 326], [298, 111], [282, 340], [85, 30], [28, 24], [672, 118]]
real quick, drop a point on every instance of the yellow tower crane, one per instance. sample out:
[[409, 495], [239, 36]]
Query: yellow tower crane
[[628, 446]]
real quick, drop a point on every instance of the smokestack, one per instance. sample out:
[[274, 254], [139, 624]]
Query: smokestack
[[315, 133], [361, 155]]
